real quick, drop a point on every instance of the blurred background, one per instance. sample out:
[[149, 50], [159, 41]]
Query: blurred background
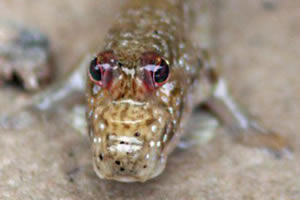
[[257, 44]]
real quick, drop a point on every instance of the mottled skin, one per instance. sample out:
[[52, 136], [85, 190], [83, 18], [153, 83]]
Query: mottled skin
[[133, 130], [133, 127], [24, 54]]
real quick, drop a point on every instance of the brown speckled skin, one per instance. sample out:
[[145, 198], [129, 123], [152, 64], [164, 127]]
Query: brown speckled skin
[[132, 129]]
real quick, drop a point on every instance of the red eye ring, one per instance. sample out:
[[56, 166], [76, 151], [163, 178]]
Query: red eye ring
[[101, 68], [156, 70]]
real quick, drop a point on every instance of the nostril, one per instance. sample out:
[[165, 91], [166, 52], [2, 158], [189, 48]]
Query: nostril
[[118, 162], [122, 169]]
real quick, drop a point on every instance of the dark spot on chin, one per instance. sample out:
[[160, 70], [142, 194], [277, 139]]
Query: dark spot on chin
[[145, 166], [137, 134], [101, 156]]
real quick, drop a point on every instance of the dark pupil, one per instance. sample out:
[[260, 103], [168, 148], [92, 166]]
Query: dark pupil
[[161, 74], [95, 70]]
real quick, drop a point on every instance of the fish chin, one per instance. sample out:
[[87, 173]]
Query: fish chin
[[111, 168], [128, 141]]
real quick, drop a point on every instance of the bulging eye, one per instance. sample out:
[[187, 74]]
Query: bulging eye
[[95, 71], [161, 73], [156, 70], [100, 70]]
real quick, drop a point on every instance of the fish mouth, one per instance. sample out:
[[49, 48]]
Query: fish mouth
[[127, 159], [127, 178], [128, 140]]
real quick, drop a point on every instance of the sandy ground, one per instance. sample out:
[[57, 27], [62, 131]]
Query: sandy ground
[[258, 43]]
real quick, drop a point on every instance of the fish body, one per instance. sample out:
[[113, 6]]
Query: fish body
[[141, 88], [135, 121]]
